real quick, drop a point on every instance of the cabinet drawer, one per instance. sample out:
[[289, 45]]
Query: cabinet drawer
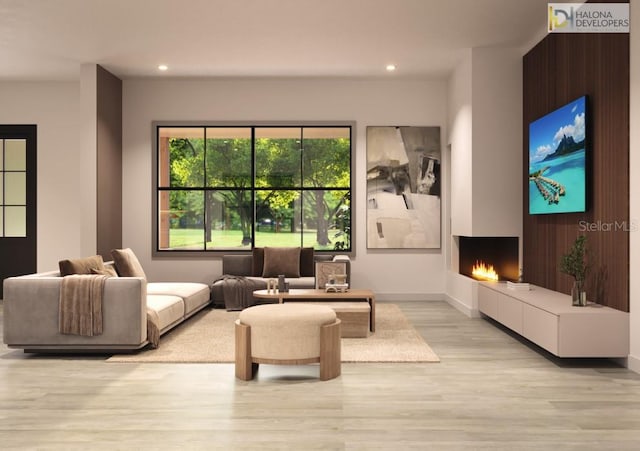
[[548, 319], [510, 312], [488, 301], [541, 328]]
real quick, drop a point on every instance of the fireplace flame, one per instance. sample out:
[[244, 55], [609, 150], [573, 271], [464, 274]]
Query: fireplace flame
[[483, 271]]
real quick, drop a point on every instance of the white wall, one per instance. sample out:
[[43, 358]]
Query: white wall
[[88, 176], [53, 107], [459, 289], [497, 142], [634, 201], [461, 140], [389, 273], [485, 121], [485, 124]]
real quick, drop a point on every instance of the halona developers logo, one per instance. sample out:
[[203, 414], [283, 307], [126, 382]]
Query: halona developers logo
[[588, 18]]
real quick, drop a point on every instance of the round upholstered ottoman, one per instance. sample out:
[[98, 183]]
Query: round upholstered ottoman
[[288, 334]]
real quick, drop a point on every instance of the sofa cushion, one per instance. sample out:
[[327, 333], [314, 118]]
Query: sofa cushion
[[127, 264], [257, 261], [170, 309], [307, 262], [194, 295], [237, 265], [80, 265], [109, 271], [302, 282], [281, 260]]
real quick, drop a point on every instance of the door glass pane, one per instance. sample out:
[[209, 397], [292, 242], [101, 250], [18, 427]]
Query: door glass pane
[[15, 188], [15, 155], [1, 154], [1, 188], [1, 222], [15, 221]]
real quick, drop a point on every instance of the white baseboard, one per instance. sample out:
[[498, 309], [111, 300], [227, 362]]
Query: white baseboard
[[462, 307], [633, 363], [393, 297], [452, 301]]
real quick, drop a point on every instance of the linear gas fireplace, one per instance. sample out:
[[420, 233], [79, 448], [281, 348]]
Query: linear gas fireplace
[[489, 258]]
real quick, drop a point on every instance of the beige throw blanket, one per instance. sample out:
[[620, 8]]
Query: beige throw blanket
[[80, 307]]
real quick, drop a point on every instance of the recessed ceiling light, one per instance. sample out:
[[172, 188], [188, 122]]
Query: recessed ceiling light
[[391, 67], [163, 67]]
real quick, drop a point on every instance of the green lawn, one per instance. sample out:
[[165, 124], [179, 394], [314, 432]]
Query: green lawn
[[232, 239]]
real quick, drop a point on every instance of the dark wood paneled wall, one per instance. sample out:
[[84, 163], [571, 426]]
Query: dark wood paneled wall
[[559, 69], [109, 162]]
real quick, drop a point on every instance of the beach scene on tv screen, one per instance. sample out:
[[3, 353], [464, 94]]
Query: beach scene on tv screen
[[557, 161]]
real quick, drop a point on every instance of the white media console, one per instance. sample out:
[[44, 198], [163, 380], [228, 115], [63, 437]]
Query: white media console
[[548, 319]]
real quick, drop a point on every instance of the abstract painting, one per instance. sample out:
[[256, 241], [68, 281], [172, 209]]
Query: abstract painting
[[403, 187]]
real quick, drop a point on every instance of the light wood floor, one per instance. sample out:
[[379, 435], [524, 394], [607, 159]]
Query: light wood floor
[[491, 391]]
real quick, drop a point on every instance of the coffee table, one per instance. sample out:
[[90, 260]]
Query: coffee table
[[321, 295]]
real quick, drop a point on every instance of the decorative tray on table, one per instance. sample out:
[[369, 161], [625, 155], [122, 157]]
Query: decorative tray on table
[[336, 287]]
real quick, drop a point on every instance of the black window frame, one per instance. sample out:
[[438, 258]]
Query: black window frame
[[157, 252]]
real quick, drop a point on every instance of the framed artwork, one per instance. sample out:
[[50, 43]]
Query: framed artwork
[[326, 269], [403, 187]]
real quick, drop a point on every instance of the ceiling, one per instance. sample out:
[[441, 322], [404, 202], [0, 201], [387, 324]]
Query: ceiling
[[50, 39]]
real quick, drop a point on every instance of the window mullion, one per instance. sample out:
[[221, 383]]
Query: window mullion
[[253, 187], [301, 152], [204, 191]]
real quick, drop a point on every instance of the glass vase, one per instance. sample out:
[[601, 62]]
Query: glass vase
[[578, 294]]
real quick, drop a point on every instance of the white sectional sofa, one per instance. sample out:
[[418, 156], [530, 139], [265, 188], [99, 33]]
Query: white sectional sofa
[[31, 314]]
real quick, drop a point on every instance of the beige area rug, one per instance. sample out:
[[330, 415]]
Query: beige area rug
[[209, 338]]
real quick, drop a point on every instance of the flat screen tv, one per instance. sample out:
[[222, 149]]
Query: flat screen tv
[[557, 160]]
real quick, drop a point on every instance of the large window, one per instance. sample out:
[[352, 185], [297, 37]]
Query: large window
[[225, 188]]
